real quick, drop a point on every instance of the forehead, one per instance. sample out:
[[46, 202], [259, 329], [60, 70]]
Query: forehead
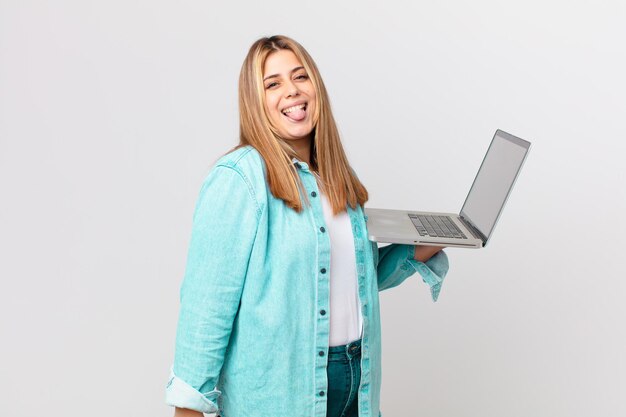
[[281, 62]]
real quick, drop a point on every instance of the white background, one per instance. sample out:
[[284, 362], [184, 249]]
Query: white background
[[111, 114]]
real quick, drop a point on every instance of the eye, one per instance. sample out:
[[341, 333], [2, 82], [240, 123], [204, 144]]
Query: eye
[[271, 85], [302, 77]]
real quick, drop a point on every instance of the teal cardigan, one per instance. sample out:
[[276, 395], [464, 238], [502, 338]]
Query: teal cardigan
[[253, 327]]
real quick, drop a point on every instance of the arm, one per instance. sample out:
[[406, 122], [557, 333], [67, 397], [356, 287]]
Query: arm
[[424, 253], [397, 262], [223, 231], [185, 412]]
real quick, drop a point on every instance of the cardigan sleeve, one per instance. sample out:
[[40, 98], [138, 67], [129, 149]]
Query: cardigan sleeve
[[223, 231], [396, 262]]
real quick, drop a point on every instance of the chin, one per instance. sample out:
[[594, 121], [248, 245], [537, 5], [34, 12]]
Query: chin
[[296, 135]]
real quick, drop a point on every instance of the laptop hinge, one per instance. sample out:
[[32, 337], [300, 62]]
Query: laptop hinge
[[473, 230]]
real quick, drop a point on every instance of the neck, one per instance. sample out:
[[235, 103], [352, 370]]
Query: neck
[[303, 148]]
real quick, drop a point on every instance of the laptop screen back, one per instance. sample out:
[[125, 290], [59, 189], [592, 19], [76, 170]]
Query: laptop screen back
[[494, 181]]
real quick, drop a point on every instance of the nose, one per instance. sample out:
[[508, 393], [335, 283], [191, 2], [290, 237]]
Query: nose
[[292, 90]]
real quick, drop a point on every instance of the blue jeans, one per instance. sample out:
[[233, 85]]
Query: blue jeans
[[344, 377]]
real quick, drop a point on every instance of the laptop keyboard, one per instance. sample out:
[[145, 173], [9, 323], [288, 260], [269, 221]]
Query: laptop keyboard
[[436, 226]]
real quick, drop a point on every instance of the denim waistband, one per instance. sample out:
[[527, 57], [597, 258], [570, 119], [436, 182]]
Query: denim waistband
[[350, 350]]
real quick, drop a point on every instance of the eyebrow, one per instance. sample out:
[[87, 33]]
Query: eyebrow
[[276, 75]]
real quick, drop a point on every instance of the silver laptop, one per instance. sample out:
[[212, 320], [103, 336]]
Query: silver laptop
[[473, 226]]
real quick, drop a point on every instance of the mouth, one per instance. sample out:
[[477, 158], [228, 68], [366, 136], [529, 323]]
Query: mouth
[[295, 113]]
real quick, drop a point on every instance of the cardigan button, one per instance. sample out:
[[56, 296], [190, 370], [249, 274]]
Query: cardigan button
[[313, 194], [322, 229], [323, 270], [321, 393], [321, 353], [323, 312]]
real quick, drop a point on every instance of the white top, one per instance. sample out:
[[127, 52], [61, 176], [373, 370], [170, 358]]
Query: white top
[[346, 320]]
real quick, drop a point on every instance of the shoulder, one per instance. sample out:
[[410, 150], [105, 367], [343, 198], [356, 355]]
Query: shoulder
[[247, 163], [246, 160]]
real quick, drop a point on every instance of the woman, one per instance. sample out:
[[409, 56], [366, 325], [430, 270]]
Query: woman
[[279, 304]]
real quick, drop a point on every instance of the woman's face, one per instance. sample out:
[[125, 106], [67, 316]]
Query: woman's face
[[290, 97]]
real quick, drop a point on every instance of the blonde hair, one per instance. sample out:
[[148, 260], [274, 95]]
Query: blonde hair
[[328, 158]]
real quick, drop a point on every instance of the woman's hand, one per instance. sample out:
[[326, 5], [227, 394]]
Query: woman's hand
[[184, 412], [424, 253]]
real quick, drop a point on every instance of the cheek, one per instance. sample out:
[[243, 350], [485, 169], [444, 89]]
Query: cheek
[[271, 106], [313, 99], [274, 104], [313, 106]]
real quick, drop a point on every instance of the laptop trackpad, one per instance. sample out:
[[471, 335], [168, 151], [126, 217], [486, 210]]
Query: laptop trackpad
[[391, 223]]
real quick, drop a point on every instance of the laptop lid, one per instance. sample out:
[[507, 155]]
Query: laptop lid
[[494, 182]]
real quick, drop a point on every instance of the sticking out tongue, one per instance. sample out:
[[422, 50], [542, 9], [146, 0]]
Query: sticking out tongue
[[296, 115]]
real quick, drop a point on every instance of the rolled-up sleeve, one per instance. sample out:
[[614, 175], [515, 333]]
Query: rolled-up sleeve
[[396, 263], [180, 394], [223, 231]]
